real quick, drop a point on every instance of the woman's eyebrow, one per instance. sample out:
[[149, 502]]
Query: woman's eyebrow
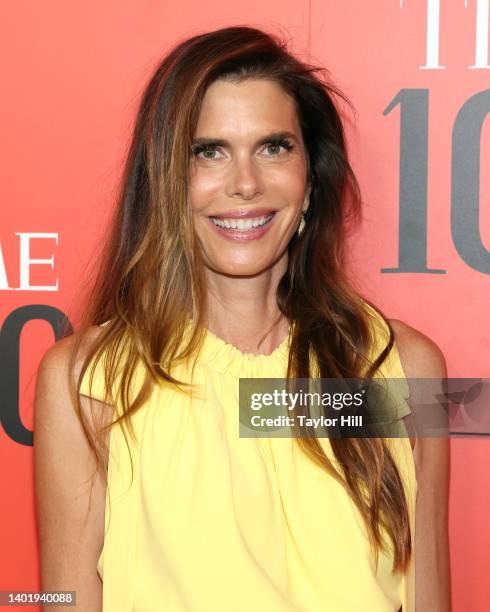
[[221, 142]]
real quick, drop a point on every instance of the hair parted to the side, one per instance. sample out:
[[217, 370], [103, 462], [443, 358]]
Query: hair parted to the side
[[152, 277]]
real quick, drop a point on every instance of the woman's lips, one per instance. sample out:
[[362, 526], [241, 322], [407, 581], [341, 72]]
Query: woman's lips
[[244, 213], [243, 235]]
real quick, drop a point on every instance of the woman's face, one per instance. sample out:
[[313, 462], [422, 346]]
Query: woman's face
[[248, 167]]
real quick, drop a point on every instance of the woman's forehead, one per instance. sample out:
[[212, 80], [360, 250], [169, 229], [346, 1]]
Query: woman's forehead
[[252, 105]]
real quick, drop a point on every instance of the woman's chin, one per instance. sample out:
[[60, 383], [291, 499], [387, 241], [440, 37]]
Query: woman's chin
[[240, 269]]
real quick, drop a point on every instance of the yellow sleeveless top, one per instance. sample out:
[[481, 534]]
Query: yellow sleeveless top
[[217, 523]]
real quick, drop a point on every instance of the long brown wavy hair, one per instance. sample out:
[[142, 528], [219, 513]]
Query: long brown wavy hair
[[152, 272]]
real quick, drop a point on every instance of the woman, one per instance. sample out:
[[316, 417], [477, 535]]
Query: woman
[[225, 262]]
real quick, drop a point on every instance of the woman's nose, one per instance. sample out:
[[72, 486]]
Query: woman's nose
[[244, 179]]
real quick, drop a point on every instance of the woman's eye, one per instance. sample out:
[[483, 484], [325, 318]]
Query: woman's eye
[[276, 147], [204, 152]]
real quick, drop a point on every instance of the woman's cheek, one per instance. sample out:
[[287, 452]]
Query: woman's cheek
[[203, 192]]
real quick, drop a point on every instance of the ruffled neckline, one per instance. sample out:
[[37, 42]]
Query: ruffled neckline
[[226, 358]]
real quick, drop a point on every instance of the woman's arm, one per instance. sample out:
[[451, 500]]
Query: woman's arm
[[422, 358], [70, 537]]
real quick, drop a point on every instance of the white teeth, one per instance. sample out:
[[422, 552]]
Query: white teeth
[[242, 224]]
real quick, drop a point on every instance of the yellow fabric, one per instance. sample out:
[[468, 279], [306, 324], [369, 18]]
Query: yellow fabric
[[218, 523]]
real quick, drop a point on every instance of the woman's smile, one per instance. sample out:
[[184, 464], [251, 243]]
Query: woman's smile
[[242, 229]]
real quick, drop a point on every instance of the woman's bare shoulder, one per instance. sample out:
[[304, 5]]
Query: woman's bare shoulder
[[419, 354], [60, 350], [53, 393], [421, 357], [56, 358]]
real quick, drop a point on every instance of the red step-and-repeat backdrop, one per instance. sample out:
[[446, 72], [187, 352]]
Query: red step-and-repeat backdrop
[[418, 74]]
